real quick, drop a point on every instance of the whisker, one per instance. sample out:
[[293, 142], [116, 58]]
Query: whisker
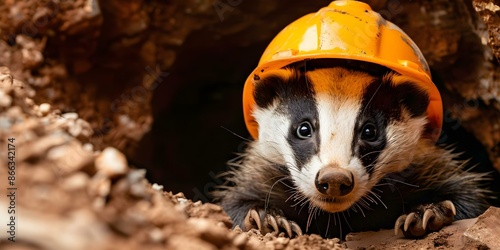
[[364, 203], [237, 135], [372, 152], [345, 219], [268, 196], [340, 225], [328, 224], [402, 182], [360, 209], [309, 217], [371, 98], [370, 199], [378, 198]]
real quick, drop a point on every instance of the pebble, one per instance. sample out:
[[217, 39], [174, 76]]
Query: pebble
[[88, 147], [5, 123], [282, 240], [136, 175], [5, 100], [16, 112], [70, 116], [77, 127], [29, 101], [207, 231], [111, 162], [157, 187], [69, 157], [182, 201], [139, 190], [85, 128], [75, 181], [44, 108], [73, 129], [99, 185], [156, 235], [240, 240]]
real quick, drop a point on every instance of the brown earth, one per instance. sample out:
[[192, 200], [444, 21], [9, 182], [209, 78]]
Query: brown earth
[[91, 86]]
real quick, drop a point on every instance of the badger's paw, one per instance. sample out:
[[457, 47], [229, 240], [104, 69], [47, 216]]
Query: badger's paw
[[272, 221], [426, 218]]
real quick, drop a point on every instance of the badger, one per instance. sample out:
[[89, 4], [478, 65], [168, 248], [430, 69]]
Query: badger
[[345, 149]]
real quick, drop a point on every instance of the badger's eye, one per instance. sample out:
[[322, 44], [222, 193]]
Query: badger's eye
[[369, 132], [304, 130]]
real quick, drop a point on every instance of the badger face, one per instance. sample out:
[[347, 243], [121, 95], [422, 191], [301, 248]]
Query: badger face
[[338, 131]]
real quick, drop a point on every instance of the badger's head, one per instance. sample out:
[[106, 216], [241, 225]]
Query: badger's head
[[338, 131]]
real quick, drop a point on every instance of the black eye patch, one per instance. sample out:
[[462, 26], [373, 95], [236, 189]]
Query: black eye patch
[[383, 101], [296, 98]]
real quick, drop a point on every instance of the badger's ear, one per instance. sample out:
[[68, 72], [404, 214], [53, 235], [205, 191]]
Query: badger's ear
[[410, 95], [265, 89], [270, 85]]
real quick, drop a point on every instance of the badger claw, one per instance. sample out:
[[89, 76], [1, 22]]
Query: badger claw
[[399, 222], [290, 226], [449, 205], [295, 228], [426, 218], [429, 214], [273, 222], [252, 219], [409, 220]]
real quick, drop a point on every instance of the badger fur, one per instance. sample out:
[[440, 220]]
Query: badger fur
[[342, 150]]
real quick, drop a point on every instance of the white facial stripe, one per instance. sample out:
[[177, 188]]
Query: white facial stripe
[[337, 119], [274, 128]]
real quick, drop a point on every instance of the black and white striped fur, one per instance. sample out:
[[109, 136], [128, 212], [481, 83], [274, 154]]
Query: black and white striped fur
[[367, 132]]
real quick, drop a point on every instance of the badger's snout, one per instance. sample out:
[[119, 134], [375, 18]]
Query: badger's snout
[[334, 181]]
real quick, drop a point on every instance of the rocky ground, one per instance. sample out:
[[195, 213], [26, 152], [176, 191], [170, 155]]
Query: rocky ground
[[87, 87]]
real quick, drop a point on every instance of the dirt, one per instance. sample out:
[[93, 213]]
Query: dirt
[[96, 91]]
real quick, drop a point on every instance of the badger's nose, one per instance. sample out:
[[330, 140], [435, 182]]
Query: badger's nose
[[334, 181]]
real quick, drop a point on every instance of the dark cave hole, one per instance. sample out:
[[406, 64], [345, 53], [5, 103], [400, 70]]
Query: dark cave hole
[[468, 147]]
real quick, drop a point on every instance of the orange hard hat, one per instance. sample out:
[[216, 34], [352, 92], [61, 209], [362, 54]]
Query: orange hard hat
[[346, 30]]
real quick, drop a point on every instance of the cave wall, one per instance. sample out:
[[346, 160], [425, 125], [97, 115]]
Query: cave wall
[[158, 79]]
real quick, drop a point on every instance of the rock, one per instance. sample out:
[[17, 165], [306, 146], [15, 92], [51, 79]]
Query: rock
[[75, 181], [485, 232], [44, 108], [80, 128], [179, 242], [111, 162], [99, 186], [40, 147], [69, 157], [31, 58], [208, 231], [81, 230], [5, 100], [157, 187], [156, 235], [240, 240], [448, 237], [138, 184], [70, 116]]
